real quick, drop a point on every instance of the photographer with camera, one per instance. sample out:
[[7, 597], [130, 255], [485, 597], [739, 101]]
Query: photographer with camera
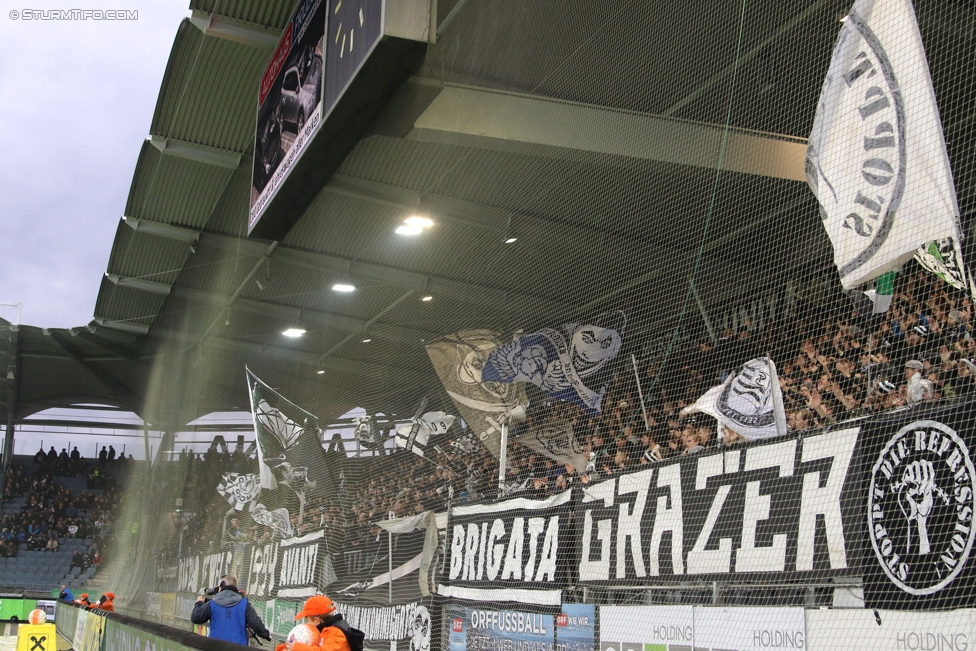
[[229, 613]]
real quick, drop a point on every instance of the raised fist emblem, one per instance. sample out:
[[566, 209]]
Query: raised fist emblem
[[916, 496]]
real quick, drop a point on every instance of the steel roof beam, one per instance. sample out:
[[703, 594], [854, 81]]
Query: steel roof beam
[[159, 229], [121, 392], [234, 29], [199, 153], [124, 326], [533, 125], [142, 284]]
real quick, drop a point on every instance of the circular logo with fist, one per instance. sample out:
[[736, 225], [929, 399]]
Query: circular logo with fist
[[920, 508]]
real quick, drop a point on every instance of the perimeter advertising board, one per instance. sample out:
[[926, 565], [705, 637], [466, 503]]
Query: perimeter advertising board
[[89, 632], [889, 630], [575, 627], [477, 629], [289, 102], [687, 628]]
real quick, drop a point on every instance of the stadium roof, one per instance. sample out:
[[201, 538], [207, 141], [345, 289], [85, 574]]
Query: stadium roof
[[593, 134]]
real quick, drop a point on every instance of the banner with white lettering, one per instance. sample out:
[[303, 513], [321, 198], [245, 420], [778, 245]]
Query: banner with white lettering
[[204, 571], [400, 627], [920, 503], [474, 629], [683, 628], [877, 158], [887, 630], [508, 551], [787, 508], [304, 566]]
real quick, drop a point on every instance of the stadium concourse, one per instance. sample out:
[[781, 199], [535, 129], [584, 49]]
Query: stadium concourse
[[555, 325]]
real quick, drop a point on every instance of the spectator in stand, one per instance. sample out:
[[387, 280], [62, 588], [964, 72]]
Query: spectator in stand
[[652, 451], [690, 441], [102, 456], [918, 387], [111, 453], [66, 595], [52, 544], [75, 455], [40, 457], [52, 456], [97, 558]]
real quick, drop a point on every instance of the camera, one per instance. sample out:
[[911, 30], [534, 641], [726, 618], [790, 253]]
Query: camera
[[211, 591]]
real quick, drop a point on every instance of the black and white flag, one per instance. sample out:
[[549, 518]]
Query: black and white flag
[[944, 259], [279, 425], [459, 359], [749, 402], [556, 441], [421, 429], [291, 461], [239, 489], [877, 159]]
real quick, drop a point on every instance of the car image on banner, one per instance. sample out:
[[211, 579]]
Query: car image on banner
[[289, 102]]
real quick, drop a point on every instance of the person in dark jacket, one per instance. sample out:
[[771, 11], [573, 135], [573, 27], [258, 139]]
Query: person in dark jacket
[[229, 613]]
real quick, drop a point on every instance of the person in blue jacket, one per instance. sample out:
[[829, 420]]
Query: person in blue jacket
[[229, 613], [66, 595]]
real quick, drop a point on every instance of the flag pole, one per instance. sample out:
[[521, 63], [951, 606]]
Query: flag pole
[[502, 455], [640, 392]]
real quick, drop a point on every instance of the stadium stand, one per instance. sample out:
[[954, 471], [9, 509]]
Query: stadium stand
[[56, 522]]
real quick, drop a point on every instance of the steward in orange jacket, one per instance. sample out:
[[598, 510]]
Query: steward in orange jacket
[[107, 602], [334, 633]]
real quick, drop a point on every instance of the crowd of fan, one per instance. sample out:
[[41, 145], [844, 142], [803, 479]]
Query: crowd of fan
[[52, 513], [833, 365]]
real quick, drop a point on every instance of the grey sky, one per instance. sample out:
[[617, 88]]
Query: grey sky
[[76, 100]]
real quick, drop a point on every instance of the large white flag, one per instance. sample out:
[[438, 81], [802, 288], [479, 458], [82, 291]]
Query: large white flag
[[877, 158], [431, 423], [749, 402]]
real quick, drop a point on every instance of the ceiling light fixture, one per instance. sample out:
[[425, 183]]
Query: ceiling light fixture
[[294, 332], [427, 298], [343, 286], [510, 235], [366, 341], [320, 372], [416, 220], [414, 225], [407, 229]]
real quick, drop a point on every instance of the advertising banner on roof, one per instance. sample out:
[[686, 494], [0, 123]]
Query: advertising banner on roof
[[289, 103]]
